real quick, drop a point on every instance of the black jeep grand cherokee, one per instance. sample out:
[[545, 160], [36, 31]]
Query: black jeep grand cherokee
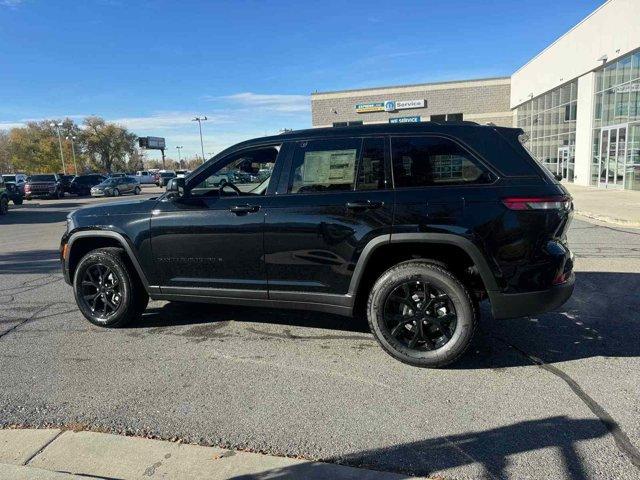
[[412, 224]]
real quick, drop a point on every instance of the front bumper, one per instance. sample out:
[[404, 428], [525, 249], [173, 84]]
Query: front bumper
[[514, 305]]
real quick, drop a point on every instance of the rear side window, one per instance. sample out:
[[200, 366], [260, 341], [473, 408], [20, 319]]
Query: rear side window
[[430, 161], [371, 174], [324, 165]]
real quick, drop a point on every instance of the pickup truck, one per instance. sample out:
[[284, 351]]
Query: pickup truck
[[43, 185], [145, 178]]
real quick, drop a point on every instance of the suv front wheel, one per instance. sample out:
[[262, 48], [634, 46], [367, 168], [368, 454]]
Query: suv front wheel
[[421, 314], [107, 292]]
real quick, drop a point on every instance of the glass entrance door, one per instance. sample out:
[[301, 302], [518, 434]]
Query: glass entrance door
[[566, 159], [612, 156]]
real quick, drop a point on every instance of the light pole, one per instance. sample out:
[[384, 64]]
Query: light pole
[[57, 126], [200, 120], [73, 151], [179, 150]]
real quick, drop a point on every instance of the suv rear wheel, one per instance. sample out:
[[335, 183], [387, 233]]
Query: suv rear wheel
[[421, 314], [106, 291]]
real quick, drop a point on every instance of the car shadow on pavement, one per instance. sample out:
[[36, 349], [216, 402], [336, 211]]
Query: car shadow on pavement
[[185, 313], [490, 450], [599, 320], [37, 215], [30, 261]]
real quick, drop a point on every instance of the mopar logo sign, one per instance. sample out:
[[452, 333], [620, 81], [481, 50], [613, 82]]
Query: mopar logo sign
[[389, 106]]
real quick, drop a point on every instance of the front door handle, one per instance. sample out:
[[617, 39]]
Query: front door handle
[[368, 205], [240, 209]]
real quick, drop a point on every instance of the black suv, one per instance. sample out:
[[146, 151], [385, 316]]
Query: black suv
[[412, 225], [81, 185]]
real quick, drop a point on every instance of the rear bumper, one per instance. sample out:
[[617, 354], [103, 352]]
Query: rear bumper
[[514, 305]]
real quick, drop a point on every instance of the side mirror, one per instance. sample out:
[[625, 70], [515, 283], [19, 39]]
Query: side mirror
[[558, 176], [176, 185]]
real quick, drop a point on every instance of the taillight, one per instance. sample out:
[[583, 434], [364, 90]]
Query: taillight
[[556, 202]]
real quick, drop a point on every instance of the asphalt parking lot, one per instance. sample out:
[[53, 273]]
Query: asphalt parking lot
[[552, 396]]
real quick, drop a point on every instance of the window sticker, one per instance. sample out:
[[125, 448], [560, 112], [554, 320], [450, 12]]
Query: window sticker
[[329, 167]]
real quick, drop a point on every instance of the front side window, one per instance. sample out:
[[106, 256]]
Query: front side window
[[245, 173], [324, 165], [426, 161]]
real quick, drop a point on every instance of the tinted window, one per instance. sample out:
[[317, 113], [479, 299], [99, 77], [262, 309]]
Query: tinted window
[[371, 168], [324, 165], [8, 178], [421, 161]]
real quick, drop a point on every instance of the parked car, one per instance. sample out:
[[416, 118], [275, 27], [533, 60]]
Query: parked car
[[117, 174], [410, 224], [114, 187], [4, 197], [65, 182], [46, 185], [182, 173], [145, 178], [19, 179], [82, 184], [164, 176]]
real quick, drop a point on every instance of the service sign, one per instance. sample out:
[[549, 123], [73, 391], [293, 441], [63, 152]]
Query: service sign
[[415, 119], [370, 107], [406, 104]]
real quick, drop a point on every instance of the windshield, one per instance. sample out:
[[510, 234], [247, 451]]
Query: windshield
[[166, 175], [108, 182], [43, 178], [9, 178]]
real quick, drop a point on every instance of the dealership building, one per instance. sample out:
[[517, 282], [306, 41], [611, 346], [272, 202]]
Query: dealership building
[[578, 101]]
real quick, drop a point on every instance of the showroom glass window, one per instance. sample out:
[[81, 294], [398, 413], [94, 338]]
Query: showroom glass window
[[617, 123], [431, 161], [549, 121]]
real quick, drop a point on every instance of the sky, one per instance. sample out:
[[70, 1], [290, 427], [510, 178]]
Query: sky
[[249, 66]]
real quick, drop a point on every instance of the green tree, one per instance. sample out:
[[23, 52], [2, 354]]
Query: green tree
[[107, 144]]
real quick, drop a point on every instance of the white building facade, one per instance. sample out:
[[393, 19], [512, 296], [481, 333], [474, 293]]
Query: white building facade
[[579, 99]]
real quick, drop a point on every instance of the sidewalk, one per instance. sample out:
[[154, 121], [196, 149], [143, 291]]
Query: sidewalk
[[617, 207], [52, 454]]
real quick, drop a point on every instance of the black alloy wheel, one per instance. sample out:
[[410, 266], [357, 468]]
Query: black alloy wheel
[[421, 314], [116, 192], [101, 292], [107, 289]]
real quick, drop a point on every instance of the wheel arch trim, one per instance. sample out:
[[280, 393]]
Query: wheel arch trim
[[435, 238], [122, 240]]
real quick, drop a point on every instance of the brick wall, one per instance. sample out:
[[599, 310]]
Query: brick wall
[[481, 101]]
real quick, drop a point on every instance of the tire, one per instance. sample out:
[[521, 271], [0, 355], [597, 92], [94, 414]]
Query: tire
[[4, 205], [116, 192], [443, 330], [136, 191], [102, 306], [60, 194], [17, 201]]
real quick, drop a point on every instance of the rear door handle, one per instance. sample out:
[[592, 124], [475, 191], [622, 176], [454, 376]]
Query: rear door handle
[[368, 205], [239, 209]]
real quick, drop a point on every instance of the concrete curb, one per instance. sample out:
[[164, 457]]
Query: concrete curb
[[606, 219], [54, 454]]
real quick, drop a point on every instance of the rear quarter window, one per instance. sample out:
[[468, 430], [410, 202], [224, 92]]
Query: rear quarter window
[[433, 160]]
